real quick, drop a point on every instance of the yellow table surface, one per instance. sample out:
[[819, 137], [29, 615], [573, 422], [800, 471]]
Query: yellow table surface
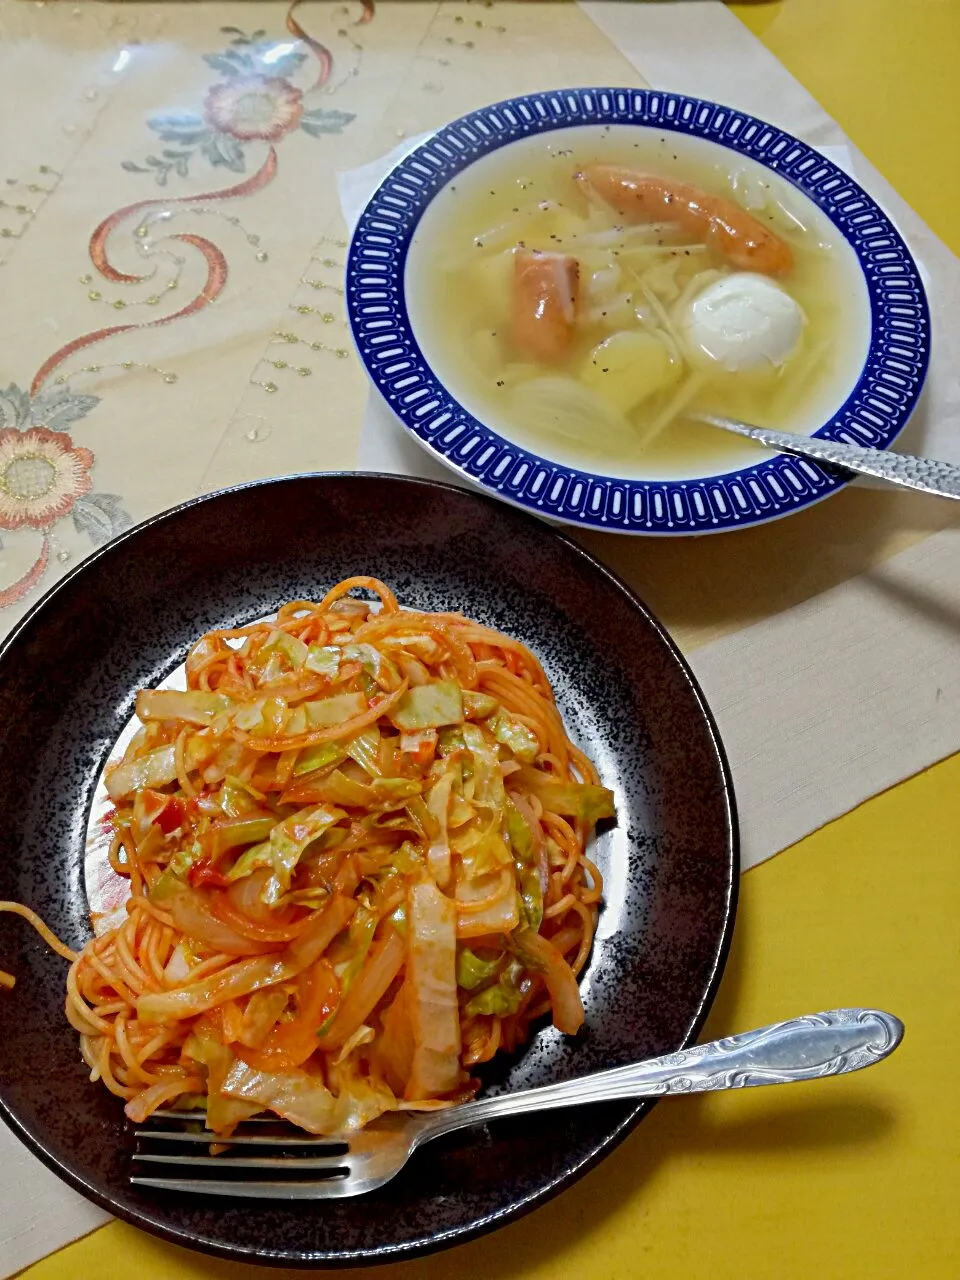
[[849, 1178]]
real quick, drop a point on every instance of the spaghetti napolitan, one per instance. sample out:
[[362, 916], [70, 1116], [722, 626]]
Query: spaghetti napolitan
[[356, 851]]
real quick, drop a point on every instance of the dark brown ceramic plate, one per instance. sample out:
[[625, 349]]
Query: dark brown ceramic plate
[[123, 619]]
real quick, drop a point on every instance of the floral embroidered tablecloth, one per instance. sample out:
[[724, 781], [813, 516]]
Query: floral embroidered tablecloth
[[172, 247]]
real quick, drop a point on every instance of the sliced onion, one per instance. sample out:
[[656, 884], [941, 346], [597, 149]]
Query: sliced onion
[[244, 894], [192, 915], [566, 409]]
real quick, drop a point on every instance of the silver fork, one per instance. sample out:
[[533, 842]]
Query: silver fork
[[320, 1168]]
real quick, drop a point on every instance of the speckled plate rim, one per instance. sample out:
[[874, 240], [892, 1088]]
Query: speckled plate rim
[[523, 1205], [874, 414]]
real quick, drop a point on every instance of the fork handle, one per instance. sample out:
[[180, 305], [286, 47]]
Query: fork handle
[[806, 1048]]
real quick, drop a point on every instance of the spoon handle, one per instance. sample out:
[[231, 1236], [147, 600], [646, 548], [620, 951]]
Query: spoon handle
[[929, 475]]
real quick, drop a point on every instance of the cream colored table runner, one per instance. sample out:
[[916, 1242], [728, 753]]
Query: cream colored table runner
[[168, 173]]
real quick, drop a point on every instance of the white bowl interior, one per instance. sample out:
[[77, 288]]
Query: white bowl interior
[[666, 153]]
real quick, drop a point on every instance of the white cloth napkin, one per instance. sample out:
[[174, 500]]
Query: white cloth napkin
[[40, 1213], [834, 700]]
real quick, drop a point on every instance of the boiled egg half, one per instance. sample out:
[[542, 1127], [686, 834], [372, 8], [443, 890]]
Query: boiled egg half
[[743, 322]]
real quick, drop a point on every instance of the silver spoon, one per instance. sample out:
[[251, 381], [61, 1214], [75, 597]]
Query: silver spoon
[[929, 475]]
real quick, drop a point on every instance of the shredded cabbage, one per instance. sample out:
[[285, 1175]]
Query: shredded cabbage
[[572, 799], [429, 706], [157, 768], [472, 971], [286, 845], [355, 864]]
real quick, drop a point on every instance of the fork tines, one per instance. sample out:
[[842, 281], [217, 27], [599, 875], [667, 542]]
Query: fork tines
[[294, 1164]]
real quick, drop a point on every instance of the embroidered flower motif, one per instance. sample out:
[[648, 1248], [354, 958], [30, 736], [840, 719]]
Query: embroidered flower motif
[[42, 474], [249, 107], [44, 477], [256, 101]]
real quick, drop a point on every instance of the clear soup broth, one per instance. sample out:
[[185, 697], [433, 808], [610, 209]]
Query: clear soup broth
[[519, 246]]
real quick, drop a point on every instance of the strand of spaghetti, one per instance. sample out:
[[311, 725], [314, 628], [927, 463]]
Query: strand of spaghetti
[[118, 981], [586, 941], [524, 692], [144, 904], [178, 755], [583, 764], [200, 677], [118, 867], [591, 896], [298, 608], [165, 947], [498, 666], [96, 980], [159, 1041], [76, 1004], [562, 832], [483, 1046], [127, 965], [138, 1037], [566, 838], [388, 599], [559, 908], [136, 876], [150, 949], [216, 279], [237, 672], [210, 966], [86, 1024], [90, 1053], [295, 626], [347, 729], [550, 764], [111, 1007], [239, 633], [46, 933], [402, 622], [95, 976], [134, 1067], [109, 1076], [322, 54], [312, 630], [476, 633], [147, 1102], [463, 659], [135, 940], [516, 695], [98, 241]]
